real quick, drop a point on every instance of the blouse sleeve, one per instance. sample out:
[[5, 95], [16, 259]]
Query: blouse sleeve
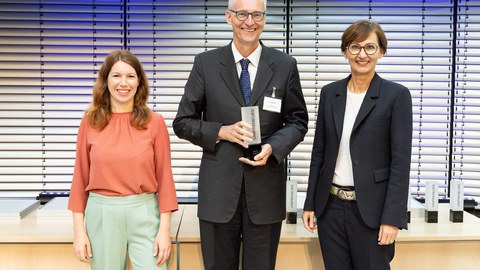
[[78, 196], [166, 193]]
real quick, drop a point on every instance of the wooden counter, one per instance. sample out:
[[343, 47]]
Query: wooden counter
[[40, 244], [443, 245], [46, 243], [298, 248]]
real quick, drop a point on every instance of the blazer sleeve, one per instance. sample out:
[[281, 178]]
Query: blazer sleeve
[[295, 115], [395, 207], [188, 123], [317, 158]]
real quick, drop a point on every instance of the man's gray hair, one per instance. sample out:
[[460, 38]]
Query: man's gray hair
[[230, 4]]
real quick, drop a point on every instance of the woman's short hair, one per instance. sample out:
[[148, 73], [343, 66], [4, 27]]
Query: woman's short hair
[[360, 30]]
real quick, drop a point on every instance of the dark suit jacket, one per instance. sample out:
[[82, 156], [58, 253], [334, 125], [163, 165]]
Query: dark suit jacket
[[213, 98], [380, 147]]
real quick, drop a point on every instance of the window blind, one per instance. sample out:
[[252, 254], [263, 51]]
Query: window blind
[[419, 56], [50, 52], [166, 35], [466, 119]]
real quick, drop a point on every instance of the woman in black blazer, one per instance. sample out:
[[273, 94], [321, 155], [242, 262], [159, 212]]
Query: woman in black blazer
[[360, 168]]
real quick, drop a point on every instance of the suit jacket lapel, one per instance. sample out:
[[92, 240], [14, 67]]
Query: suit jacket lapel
[[230, 75], [369, 101], [338, 106], [263, 77]]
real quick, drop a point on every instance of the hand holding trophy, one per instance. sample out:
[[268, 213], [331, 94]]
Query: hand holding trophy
[[251, 115]]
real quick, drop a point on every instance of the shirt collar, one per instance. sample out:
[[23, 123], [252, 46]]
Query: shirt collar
[[254, 57]]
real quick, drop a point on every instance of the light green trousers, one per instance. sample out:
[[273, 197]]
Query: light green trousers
[[117, 224]]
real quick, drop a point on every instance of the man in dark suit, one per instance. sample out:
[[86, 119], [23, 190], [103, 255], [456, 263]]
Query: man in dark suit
[[360, 168], [241, 200]]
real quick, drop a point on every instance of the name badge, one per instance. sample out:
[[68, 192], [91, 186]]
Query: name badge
[[272, 104]]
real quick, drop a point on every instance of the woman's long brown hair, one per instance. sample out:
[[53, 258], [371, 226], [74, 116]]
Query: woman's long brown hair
[[100, 110]]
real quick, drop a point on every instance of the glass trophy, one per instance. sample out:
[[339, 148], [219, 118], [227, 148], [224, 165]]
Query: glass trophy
[[431, 202], [251, 115], [456, 201], [291, 202]]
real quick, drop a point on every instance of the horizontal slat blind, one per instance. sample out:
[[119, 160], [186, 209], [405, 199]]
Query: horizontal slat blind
[[50, 52], [466, 125], [419, 56], [166, 35]]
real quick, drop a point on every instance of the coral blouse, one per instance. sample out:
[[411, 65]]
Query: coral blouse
[[122, 160]]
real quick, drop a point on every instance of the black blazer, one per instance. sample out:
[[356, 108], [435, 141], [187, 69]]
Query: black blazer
[[380, 147], [213, 98]]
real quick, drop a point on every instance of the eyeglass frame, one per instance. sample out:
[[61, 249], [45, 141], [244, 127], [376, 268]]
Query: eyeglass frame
[[363, 48], [248, 14]]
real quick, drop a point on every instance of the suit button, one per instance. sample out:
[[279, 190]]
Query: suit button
[[355, 162]]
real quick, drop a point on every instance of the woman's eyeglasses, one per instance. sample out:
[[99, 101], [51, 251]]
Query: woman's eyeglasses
[[369, 48]]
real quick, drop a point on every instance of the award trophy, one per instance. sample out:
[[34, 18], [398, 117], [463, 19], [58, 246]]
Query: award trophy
[[456, 201], [251, 116], [431, 202], [291, 202]]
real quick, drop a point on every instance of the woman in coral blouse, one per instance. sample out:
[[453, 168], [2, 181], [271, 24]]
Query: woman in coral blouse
[[122, 193]]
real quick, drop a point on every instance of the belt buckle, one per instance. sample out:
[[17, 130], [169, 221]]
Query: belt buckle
[[346, 195]]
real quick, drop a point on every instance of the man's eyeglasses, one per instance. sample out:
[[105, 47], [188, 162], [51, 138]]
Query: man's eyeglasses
[[243, 15], [369, 48]]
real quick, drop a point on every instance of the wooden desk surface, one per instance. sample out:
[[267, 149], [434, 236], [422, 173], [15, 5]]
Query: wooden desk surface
[[443, 245], [190, 231], [444, 230], [54, 230], [46, 243], [185, 228], [418, 229]]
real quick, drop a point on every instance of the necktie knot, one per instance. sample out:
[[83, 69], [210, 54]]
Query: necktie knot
[[244, 63]]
